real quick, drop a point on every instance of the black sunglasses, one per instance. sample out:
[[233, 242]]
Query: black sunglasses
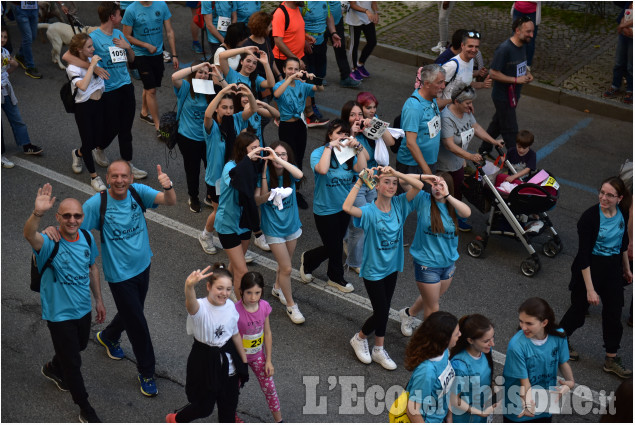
[[68, 216]]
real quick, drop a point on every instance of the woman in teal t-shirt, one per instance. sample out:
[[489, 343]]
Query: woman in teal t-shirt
[[333, 181], [280, 219], [427, 355], [246, 73], [434, 249], [471, 359]]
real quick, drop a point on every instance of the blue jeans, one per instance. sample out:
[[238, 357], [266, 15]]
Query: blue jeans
[[530, 48], [355, 239], [623, 63], [27, 23], [130, 296], [20, 133]]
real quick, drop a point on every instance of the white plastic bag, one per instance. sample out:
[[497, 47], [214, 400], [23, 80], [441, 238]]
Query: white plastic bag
[[381, 153]]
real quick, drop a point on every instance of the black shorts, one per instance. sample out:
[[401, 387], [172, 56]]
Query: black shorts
[[232, 240], [150, 69], [211, 194]]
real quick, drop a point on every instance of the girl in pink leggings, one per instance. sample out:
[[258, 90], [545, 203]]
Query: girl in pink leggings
[[253, 326]]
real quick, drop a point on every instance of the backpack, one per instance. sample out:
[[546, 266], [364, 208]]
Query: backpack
[[169, 126], [104, 204], [68, 95], [455, 72], [36, 276]]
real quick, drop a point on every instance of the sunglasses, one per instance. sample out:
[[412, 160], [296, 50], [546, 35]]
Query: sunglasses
[[68, 216], [474, 34]]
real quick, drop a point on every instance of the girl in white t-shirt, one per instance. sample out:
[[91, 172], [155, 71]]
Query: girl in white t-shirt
[[217, 364], [89, 109]]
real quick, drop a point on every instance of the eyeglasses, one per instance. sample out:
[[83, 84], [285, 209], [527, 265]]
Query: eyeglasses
[[473, 34], [282, 154], [68, 216], [607, 195]]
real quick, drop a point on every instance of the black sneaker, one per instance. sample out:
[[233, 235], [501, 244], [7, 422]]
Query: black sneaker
[[302, 204], [147, 118], [314, 121], [50, 373], [32, 149], [87, 415], [33, 73], [195, 205], [20, 60]]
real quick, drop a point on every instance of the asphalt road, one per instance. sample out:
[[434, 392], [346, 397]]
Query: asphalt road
[[317, 375]]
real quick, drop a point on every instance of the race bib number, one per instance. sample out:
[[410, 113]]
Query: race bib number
[[223, 23], [434, 126], [376, 129], [466, 138], [521, 69], [28, 5], [446, 378], [551, 182], [253, 343], [628, 15], [117, 54]]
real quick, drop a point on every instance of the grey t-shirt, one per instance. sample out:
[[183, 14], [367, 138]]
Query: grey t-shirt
[[458, 129]]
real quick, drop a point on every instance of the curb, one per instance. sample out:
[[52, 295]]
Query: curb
[[578, 101]]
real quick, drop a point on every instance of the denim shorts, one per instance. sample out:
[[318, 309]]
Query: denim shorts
[[293, 236], [431, 275]]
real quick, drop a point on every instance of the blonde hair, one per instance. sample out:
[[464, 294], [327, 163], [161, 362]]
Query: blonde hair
[[77, 43]]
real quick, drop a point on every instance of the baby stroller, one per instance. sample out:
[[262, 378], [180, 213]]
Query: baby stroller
[[524, 200]]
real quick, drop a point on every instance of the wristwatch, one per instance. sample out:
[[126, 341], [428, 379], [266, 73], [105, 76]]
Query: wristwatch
[[171, 186]]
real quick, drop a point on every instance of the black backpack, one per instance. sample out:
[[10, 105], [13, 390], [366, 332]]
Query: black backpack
[[68, 95], [169, 127], [104, 204], [36, 276]]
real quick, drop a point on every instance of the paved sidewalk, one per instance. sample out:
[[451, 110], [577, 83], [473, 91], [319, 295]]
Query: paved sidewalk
[[574, 51]]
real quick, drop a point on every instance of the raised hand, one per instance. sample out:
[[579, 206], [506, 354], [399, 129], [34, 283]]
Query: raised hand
[[44, 201]]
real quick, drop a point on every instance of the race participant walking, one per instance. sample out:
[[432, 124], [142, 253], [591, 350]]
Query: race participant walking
[[471, 359], [435, 247], [597, 270], [291, 95], [26, 16], [421, 120], [333, 181], [459, 70], [217, 365], [362, 17], [382, 221], [69, 276], [118, 98], [280, 219], [89, 108], [126, 261], [143, 26], [346, 77], [535, 356], [218, 17], [221, 127], [458, 127], [255, 331], [428, 357], [509, 72]]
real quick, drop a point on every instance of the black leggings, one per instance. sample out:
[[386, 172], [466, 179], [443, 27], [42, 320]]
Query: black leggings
[[371, 42], [119, 111], [606, 274], [380, 294], [193, 152], [332, 229], [89, 116], [295, 134]]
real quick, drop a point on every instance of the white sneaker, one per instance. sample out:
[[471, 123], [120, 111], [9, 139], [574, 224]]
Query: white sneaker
[[137, 173], [439, 48], [294, 314], [249, 257], [6, 163], [261, 243], [354, 269], [406, 322], [279, 295], [381, 356], [98, 184], [77, 162], [360, 346], [344, 288], [207, 244], [306, 277], [100, 158]]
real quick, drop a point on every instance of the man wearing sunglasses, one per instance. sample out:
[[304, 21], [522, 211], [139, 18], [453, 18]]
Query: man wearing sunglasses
[[459, 70], [65, 291], [510, 72]]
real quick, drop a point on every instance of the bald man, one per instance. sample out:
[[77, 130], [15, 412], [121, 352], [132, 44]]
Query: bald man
[[65, 293]]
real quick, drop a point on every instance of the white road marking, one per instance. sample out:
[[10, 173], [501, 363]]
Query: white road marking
[[267, 262]]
